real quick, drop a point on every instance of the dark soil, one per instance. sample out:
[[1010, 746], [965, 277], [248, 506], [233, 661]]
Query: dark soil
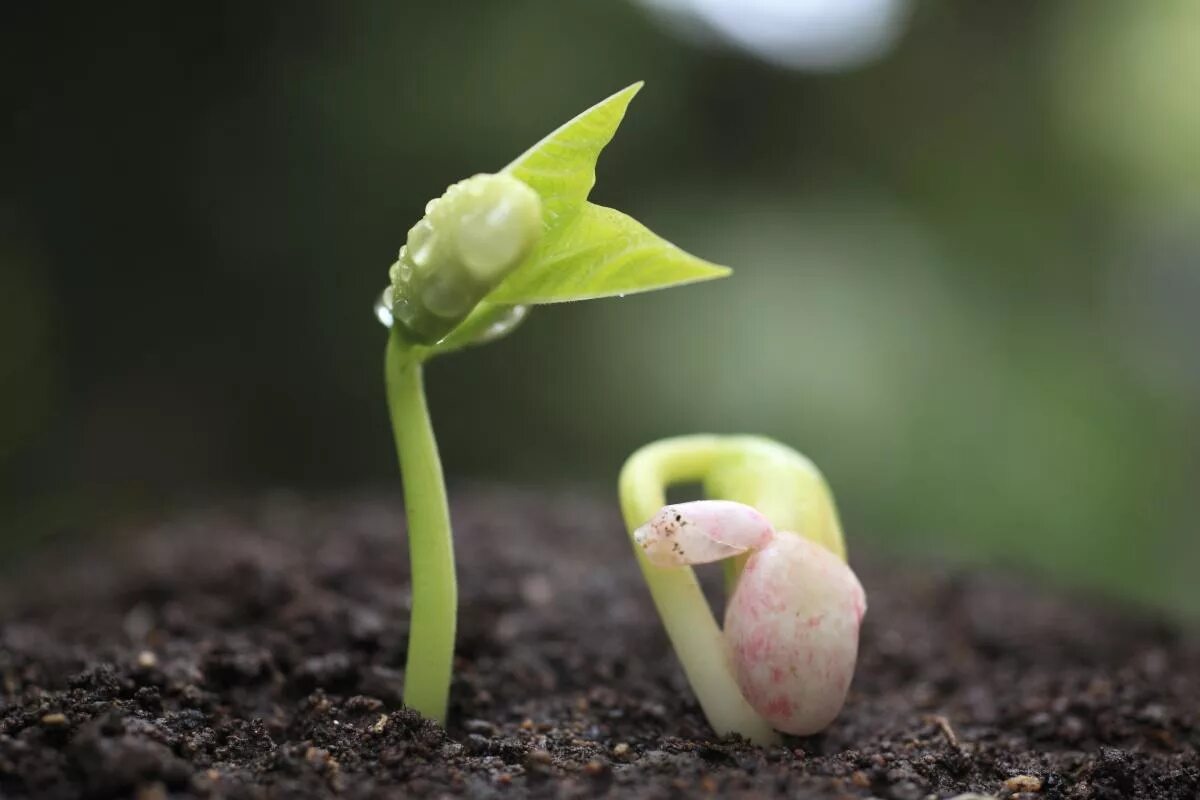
[[259, 654]]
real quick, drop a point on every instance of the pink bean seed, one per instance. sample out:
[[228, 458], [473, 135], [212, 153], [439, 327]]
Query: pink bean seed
[[808, 604]]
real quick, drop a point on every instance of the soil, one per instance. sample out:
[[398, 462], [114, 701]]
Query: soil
[[258, 652]]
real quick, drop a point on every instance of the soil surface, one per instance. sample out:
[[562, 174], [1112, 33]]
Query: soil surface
[[258, 652]]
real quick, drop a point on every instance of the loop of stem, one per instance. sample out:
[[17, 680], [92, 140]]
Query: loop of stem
[[779, 482]]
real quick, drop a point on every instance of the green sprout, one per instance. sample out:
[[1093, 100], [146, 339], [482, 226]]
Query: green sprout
[[793, 607], [492, 246]]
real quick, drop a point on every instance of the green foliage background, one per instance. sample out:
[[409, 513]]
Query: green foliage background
[[967, 276]]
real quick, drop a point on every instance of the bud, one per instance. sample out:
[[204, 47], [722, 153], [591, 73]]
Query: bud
[[469, 240]]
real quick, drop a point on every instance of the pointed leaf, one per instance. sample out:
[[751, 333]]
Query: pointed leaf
[[562, 167], [600, 253]]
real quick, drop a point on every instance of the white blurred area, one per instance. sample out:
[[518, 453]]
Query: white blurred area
[[812, 35]]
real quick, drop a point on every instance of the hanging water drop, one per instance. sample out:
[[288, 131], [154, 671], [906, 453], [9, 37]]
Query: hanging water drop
[[383, 308], [503, 324]]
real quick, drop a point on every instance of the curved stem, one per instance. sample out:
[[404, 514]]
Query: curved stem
[[759, 472], [430, 544], [689, 621]]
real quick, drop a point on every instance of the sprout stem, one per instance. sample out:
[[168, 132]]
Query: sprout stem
[[776, 480], [685, 613], [430, 543]]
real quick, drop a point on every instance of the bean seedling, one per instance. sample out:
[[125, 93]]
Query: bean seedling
[[486, 251], [793, 607]]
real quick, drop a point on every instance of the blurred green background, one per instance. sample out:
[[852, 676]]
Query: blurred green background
[[966, 239]]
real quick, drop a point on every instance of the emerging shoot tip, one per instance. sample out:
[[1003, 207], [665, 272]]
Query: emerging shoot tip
[[469, 240], [702, 532], [790, 638]]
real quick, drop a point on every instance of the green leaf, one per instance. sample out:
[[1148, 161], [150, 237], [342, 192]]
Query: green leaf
[[600, 253], [562, 167]]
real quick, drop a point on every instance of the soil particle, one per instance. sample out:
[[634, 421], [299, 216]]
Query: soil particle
[[258, 653]]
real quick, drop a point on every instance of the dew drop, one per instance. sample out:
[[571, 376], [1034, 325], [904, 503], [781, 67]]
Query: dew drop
[[512, 317], [422, 239], [383, 308], [444, 298]]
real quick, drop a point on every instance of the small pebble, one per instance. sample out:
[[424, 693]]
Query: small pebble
[[321, 759], [477, 744], [147, 660], [594, 768], [537, 590], [907, 790], [621, 750], [480, 726], [539, 757], [363, 703], [151, 791], [1023, 783]]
